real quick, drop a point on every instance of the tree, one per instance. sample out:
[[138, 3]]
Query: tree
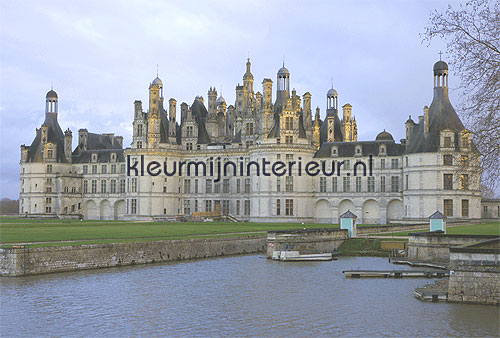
[[472, 34]]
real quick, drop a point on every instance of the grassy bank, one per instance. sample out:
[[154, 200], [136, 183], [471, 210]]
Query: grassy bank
[[487, 228]]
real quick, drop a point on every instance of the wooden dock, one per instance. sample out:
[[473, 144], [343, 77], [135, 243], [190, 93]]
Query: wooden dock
[[395, 274]]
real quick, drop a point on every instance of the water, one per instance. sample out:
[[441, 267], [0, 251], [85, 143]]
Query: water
[[233, 296]]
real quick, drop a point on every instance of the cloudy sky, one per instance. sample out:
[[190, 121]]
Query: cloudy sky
[[100, 56]]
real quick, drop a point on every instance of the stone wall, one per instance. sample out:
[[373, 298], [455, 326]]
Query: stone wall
[[389, 228], [32, 261], [305, 241], [435, 246], [475, 276]]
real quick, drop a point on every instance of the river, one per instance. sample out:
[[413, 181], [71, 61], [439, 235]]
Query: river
[[233, 296]]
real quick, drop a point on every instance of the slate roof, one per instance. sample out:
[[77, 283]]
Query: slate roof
[[323, 129], [437, 215], [102, 145], [54, 135], [348, 149], [348, 214], [441, 116]]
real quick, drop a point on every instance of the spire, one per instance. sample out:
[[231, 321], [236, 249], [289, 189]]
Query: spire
[[440, 53]]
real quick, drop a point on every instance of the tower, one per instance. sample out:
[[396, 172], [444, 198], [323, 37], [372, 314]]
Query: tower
[[283, 89], [212, 102], [248, 86], [332, 115], [155, 106], [51, 102]]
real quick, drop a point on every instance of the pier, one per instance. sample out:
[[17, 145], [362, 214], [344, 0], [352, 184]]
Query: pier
[[395, 274]]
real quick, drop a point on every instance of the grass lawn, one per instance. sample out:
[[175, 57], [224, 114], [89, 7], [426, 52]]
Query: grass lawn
[[487, 228], [20, 230]]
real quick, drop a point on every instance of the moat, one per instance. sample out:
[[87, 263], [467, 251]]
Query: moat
[[233, 296]]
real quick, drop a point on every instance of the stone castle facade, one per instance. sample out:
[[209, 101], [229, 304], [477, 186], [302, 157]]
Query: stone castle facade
[[431, 169]]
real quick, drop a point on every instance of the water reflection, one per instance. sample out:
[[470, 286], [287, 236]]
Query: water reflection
[[241, 295]]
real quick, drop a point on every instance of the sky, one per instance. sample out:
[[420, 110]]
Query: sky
[[100, 56]]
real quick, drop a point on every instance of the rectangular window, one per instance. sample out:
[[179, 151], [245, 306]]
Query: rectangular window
[[85, 186], [196, 186], [50, 153], [289, 184], [187, 186], [237, 207], [187, 207], [382, 163], [464, 181], [382, 183], [94, 169], [133, 206], [346, 184], [49, 168], [225, 207], [465, 208], [94, 186], [208, 186], [394, 184], [371, 184], [335, 185], [448, 208], [464, 160], [238, 186], [278, 184], [448, 181], [394, 163], [278, 207], [225, 186], [358, 184], [113, 168], [85, 169], [249, 128], [289, 207], [289, 139], [122, 185], [447, 142], [247, 185], [322, 184], [347, 164], [247, 207], [104, 169], [217, 187], [208, 205], [122, 168], [113, 186], [406, 182], [134, 184], [195, 205], [288, 123], [103, 186], [447, 160]]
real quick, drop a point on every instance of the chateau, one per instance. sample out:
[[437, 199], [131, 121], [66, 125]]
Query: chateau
[[431, 169]]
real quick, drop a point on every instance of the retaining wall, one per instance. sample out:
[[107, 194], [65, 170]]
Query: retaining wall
[[475, 273], [32, 261], [306, 241], [435, 246]]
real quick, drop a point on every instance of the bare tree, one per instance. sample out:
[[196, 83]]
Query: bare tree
[[472, 34]]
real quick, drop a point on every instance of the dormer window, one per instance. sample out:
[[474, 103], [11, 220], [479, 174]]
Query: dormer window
[[447, 142], [94, 157], [335, 151], [382, 149], [113, 157], [358, 150], [465, 139]]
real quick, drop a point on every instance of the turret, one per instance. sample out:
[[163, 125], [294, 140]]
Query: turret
[[137, 109], [283, 89], [212, 102], [267, 89], [409, 124], [306, 107], [316, 135], [171, 109]]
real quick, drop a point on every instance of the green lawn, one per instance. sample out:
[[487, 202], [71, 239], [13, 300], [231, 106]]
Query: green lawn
[[487, 228], [19, 230]]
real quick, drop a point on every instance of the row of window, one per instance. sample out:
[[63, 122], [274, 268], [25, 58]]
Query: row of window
[[370, 185], [448, 181], [104, 169], [448, 208], [113, 188]]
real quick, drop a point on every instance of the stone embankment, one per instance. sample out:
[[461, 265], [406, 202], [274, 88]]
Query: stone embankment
[[24, 260]]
